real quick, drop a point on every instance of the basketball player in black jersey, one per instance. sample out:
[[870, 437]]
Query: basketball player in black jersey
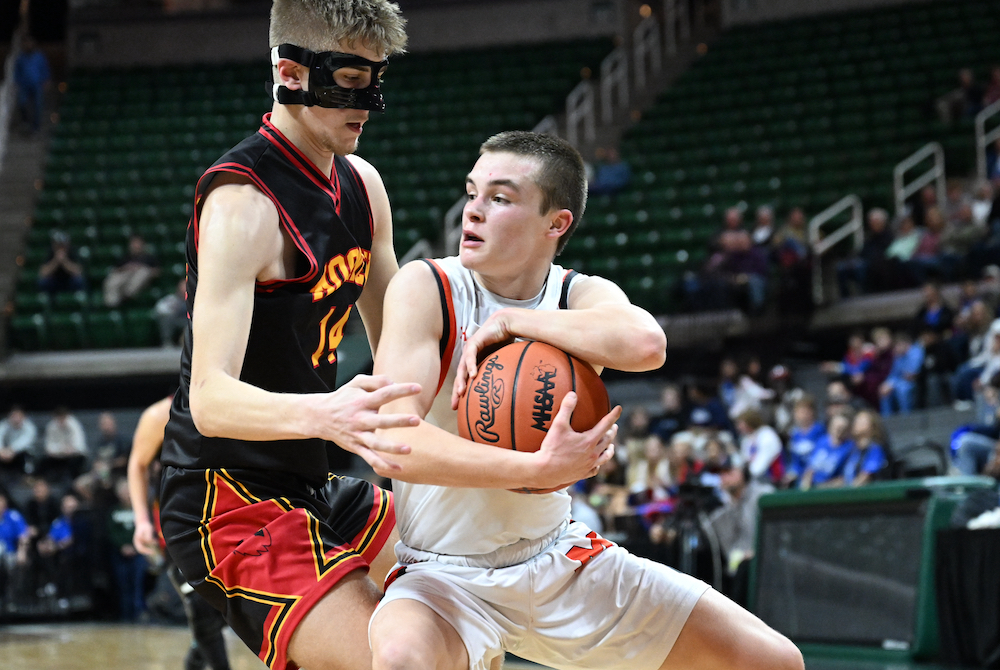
[[288, 229]]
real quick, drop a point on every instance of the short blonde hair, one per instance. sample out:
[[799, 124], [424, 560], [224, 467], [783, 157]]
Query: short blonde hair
[[323, 25]]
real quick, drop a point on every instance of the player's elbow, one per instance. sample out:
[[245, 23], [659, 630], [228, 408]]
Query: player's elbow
[[650, 348], [204, 419]]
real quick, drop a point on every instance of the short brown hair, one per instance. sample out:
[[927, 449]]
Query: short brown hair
[[560, 175], [322, 25]]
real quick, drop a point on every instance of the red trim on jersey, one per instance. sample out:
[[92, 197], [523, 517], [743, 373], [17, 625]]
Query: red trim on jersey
[[449, 314], [356, 176], [393, 576], [584, 554], [329, 184], [283, 218]]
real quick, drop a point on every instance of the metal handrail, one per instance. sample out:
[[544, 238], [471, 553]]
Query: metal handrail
[[903, 190], [984, 138], [646, 45], [820, 245], [614, 78], [580, 109]]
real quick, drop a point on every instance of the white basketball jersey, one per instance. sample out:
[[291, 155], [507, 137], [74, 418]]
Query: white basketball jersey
[[458, 521]]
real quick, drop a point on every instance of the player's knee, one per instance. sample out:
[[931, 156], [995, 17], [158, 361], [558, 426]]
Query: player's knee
[[398, 653]]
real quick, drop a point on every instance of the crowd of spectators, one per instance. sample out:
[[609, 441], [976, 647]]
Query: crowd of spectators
[[760, 266], [66, 520]]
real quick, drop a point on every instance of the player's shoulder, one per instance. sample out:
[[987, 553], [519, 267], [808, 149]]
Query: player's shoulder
[[368, 173], [414, 278]]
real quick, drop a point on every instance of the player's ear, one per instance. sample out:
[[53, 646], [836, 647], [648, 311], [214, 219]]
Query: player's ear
[[559, 222], [291, 75]]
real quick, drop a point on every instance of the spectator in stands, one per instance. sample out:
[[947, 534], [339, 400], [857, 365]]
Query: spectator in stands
[[132, 273], [611, 173], [992, 92], [993, 163], [869, 460], [129, 565], [17, 440], [706, 411], [926, 260], [736, 273], [925, 199], [65, 446], [748, 392], [805, 433], [651, 477], [983, 388], [171, 315], [895, 271], [982, 204], [61, 271], [735, 523], [880, 367], [671, 417], [42, 508], [865, 271], [975, 446], [979, 329], [763, 230], [786, 394], [760, 447], [832, 449], [960, 236], [63, 551], [934, 312], [856, 361], [15, 539], [898, 391], [790, 243], [963, 102], [839, 399], [111, 445], [31, 76]]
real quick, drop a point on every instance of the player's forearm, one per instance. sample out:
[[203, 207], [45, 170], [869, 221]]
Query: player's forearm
[[222, 406], [138, 490], [440, 458], [620, 337]]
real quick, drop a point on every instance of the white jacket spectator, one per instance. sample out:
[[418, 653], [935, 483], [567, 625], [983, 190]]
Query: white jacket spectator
[[64, 436], [760, 445], [17, 432]]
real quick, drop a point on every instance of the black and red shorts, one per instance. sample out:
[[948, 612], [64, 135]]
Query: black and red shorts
[[264, 547]]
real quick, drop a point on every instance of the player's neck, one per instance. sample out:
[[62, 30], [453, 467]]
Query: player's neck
[[299, 135], [520, 286]]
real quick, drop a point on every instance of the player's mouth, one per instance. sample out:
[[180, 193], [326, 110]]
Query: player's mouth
[[355, 127], [470, 240]]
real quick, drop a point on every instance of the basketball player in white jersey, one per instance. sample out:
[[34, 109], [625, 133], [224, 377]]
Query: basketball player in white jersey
[[483, 571]]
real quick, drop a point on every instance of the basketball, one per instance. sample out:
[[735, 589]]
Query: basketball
[[518, 390]]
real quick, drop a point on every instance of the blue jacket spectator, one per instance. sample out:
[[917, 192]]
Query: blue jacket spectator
[[802, 439], [827, 461], [14, 531], [868, 460], [31, 73], [899, 389]]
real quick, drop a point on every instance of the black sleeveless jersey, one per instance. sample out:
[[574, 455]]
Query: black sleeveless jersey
[[297, 323]]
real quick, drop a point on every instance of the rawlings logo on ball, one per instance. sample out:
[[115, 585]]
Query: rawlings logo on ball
[[490, 396], [541, 411]]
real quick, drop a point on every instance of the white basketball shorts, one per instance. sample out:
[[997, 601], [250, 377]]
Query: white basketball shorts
[[575, 602]]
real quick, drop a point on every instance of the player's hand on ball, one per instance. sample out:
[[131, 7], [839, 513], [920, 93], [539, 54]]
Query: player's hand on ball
[[351, 416], [495, 331], [569, 456]]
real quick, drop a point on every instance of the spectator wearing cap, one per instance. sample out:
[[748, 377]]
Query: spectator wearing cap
[[61, 272]]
